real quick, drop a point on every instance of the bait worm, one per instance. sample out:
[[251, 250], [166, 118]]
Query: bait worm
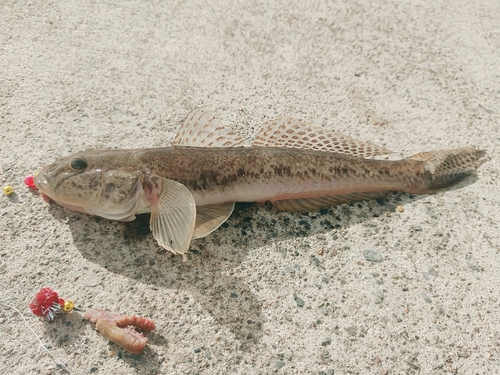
[[118, 329]]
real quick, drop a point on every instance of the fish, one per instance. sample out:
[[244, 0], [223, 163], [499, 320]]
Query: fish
[[191, 187]]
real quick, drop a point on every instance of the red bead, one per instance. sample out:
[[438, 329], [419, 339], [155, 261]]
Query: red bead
[[29, 181]]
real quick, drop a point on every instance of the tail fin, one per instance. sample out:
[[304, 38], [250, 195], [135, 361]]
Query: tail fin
[[446, 168]]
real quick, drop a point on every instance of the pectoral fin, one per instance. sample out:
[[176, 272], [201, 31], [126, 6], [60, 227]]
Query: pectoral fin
[[211, 217], [173, 215]]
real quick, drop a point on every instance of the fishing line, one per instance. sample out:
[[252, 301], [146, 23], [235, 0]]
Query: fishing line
[[56, 361]]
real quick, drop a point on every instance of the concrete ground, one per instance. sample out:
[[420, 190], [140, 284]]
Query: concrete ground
[[270, 292]]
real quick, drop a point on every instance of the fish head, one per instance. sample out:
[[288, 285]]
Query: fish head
[[93, 182]]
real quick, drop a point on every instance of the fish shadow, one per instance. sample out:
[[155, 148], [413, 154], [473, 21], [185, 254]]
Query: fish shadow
[[130, 250]]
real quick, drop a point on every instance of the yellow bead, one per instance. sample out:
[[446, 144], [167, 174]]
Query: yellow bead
[[68, 306], [8, 190]]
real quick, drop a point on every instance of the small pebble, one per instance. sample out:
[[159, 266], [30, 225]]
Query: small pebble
[[92, 280], [432, 272], [400, 208], [300, 302], [326, 341], [379, 296], [373, 256], [352, 330], [362, 332], [426, 297], [413, 365], [473, 267], [279, 364], [314, 260], [283, 253]]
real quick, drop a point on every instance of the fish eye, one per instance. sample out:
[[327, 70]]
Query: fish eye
[[78, 164]]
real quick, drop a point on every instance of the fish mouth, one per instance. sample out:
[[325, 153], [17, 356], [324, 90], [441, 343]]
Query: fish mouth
[[48, 194], [43, 185]]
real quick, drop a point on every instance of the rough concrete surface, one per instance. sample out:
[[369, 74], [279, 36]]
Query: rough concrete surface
[[356, 289]]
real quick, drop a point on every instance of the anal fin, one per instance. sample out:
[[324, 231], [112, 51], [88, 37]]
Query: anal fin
[[210, 217], [312, 204]]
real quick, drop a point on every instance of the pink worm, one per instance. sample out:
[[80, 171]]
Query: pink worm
[[116, 328]]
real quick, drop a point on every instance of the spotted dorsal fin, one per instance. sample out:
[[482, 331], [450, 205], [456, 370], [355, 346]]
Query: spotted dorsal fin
[[203, 129], [290, 132]]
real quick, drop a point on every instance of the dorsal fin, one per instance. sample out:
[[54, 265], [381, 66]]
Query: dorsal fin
[[290, 132], [203, 129]]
